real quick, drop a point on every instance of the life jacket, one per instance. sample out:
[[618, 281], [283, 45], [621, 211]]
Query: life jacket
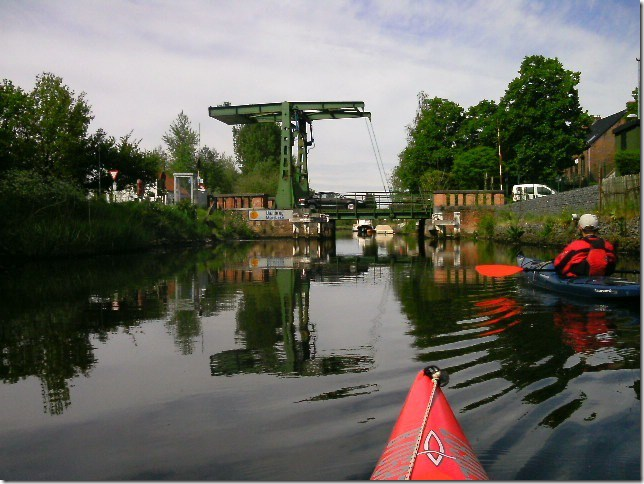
[[588, 256]]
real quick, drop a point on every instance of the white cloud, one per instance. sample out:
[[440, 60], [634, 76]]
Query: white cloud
[[143, 62]]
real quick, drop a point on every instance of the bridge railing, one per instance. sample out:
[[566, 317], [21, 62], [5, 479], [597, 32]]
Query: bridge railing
[[384, 205]]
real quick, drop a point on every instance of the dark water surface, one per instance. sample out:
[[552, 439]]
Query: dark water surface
[[283, 360]]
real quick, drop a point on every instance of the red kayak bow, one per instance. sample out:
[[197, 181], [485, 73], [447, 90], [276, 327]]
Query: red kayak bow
[[427, 442]]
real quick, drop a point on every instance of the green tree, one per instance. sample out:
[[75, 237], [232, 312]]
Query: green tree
[[16, 150], [479, 126], [257, 144], [218, 170], [135, 163], [473, 167], [56, 124], [102, 157], [125, 156], [262, 178], [541, 122], [46, 130], [182, 142], [432, 140], [436, 180]]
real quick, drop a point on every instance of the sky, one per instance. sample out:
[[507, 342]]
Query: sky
[[142, 62]]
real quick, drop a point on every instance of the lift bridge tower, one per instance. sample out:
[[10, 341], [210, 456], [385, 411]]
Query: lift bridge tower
[[293, 117]]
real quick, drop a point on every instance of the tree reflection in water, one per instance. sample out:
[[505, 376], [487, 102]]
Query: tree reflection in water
[[280, 338], [48, 329]]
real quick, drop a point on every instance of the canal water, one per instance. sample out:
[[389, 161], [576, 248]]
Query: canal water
[[290, 360]]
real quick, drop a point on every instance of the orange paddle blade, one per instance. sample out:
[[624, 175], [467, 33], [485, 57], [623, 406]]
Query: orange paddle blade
[[498, 270]]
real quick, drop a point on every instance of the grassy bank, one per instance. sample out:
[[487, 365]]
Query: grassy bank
[[619, 224], [41, 217], [78, 227]]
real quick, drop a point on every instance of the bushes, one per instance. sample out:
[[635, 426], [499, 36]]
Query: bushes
[[487, 224], [229, 225], [48, 217], [627, 162]]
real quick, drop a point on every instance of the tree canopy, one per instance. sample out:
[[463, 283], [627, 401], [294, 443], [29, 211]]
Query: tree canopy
[[106, 153], [46, 132], [218, 170], [479, 126], [542, 124], [535, 131], [257, 144], [182, 142], [474, 168], [431, 140]]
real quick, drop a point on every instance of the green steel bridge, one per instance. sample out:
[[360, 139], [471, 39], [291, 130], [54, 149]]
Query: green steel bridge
[[294, 117], [382, 205]]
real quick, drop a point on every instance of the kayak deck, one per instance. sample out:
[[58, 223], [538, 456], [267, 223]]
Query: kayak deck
[[427, 442], [542, 274]]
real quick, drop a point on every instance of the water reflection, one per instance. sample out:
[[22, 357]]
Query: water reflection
[[498, 314], [200, 340], [491, 333], [273, 323], [53, 314]]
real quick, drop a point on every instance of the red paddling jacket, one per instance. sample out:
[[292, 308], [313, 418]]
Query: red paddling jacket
[[588, 256]]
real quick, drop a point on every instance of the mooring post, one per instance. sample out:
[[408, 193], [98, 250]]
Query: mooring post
[[421, 230]]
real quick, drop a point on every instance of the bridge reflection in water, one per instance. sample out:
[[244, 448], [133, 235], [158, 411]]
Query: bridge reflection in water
[[283, 271], [126, 346], [265, 285]]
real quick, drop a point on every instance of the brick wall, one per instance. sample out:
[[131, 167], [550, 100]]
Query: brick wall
[[241, 200], [467, 198]]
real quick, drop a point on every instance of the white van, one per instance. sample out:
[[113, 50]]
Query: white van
[[528, 191]]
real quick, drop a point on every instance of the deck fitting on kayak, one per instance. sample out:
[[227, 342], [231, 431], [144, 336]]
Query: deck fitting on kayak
[[435, 373]]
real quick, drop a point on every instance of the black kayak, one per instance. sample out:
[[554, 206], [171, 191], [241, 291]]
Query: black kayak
[[542, 274]]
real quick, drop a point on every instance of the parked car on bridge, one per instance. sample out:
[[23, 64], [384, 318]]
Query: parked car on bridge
[[321, 200]]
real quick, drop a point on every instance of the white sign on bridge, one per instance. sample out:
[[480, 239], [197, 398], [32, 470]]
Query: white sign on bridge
[[270, 214]]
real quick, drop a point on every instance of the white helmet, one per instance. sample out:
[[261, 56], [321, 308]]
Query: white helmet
[[588, 221]]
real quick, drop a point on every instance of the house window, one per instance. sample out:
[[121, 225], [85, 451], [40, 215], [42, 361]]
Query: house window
[[623, 145]]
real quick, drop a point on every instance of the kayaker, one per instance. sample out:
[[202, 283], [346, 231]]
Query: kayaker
[[589, 255]]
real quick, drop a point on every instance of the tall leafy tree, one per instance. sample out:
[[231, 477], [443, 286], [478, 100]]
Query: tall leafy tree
[[182, 142], [218, 170], [16, 150], [124, 155], [541, 122], [257, 144], [262, 178], [102, 157], [432, 140], [479, 126], [135, 163], [60, 121], [473, 167]]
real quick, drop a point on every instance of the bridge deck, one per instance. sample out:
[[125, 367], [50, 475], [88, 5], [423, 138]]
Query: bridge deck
[[382, 205]]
